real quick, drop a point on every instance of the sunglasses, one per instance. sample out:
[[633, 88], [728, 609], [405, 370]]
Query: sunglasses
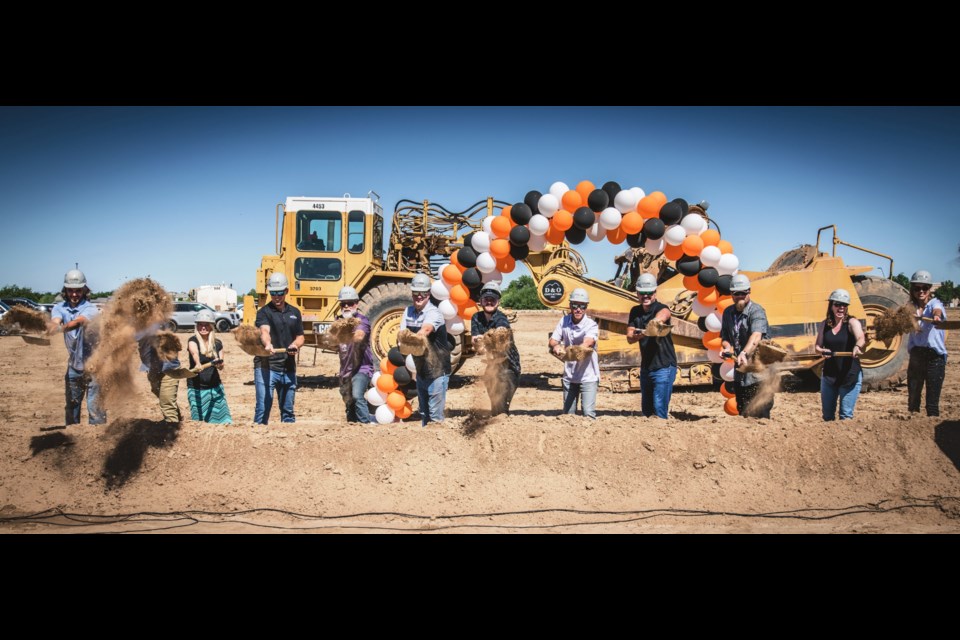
[[349, 303], [421, 294], [924, 287], [736, 294], [578, 305], [279, 293], [842, 305], [489, 300]]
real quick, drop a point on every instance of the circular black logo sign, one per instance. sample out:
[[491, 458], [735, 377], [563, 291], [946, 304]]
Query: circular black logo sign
[[552, 291]]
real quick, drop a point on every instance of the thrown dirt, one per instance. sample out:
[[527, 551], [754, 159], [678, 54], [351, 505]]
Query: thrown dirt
[[248, 339], [411, 343], [168, 345], [28, 320], [577, 353], [891, 324], [342, 330], [536, 470]]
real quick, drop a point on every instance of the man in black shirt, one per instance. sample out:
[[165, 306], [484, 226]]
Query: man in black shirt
[[281, 327], [502, 374], [658, 359]]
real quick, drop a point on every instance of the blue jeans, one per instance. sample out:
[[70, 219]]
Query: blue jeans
[[656, 387], [285, 384], [261, 375], [352, 390], [586, 391], [77, 385], [846, 393], [433, 397]]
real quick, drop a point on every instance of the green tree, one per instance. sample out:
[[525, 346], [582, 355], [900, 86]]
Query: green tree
[[13, 291], [947, 291], [252, 292], [522, 294], [902, 280]]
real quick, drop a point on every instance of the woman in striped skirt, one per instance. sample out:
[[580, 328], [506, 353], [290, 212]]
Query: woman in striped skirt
[[208, 403]]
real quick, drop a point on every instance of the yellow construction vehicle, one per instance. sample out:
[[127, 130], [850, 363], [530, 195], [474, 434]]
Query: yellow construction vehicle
[[325, 243]]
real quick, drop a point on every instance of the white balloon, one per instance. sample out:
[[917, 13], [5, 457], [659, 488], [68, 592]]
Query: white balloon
[[654, 247], [610, 218], [726, 371], [537, 243], [538, 225], [693, 223], [701, 309], [596, 232], [557, 189], [713, 321], [549, 204], [714, 356], [487, 224], [728, 264], [375, 397], [486, 262], [637, 193], [481, 241], [385, 414], [710, 256], [625, 201], [674, 235], [373, 380], [447, 309], [491, 276], [439, 290], [410, 364], [455, 326]]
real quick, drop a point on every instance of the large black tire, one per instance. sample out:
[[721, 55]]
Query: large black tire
[[223, 325], [171, 326], [889, 367], [384, 305]]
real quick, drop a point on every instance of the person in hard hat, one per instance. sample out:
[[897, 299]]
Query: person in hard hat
[[356, 359], [927, 346], [658, 359], [208, 403], [72, 317], [501, 378], [744, 326], [433, 367], [281, 328], [842, 376], [163, 386], [580, 378]]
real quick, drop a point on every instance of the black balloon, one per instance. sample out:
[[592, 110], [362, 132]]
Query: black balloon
[[575, 235], [583, 218], [598, 200], [468, 239], [708, 277], [521, 213], [723, 285], [688, 265], [684, 207], [728, 387], [633, 239], [532, 200], [519, 236], [702, 324], [475, 292], [519, 251], [396, 357], [612, 189], [467, 257], [654, 228], [472, 278], [671, 213], [401, 375]]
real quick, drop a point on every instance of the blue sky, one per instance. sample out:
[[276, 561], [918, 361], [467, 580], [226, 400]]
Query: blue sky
[[129, 192]]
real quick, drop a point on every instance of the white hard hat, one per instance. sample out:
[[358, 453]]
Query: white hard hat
[[348, 293], [921, 277], [491, 287], [739, 282], [647, 283], [205, 315], [277, 282], [74, 279], [579, 295], [420, 282], [840, 295]]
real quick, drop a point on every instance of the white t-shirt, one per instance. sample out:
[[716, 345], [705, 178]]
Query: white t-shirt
[[568, 334]]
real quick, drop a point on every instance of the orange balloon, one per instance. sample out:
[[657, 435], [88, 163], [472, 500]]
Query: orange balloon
[[405, 411], [723, 303], [730, 406], [506, 265], [453, 260], [631, 223], [616, 236], [505, 212], [711, 340], [386, 366], [556, 236], [673, 253], [467, 312], [691, 283], [571, 201], [396, 400], [459, 294], [648, 208], [501, 227], [725, 393], [710, 238], [451, 275], [708, 296], [500, 248], [725, 247], [692, 245], [562, 219], [659, 197], [386, 383], [585, 188]]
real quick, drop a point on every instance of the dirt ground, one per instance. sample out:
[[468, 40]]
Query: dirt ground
[[533, 471]]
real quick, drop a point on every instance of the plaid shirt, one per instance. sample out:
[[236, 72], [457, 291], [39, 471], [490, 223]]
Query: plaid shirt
[[479, 325]]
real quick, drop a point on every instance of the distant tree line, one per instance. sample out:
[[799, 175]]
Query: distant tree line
[[13, 291], [521, 294]]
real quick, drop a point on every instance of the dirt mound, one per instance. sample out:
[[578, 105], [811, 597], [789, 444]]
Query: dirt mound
[[28, 320]]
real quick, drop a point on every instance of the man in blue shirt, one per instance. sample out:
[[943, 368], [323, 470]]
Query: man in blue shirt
[[424, 320], [744, 325], [72, 317]]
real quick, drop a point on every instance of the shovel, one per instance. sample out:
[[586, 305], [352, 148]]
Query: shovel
[[944, 324], [36, 340], [184, 373]]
